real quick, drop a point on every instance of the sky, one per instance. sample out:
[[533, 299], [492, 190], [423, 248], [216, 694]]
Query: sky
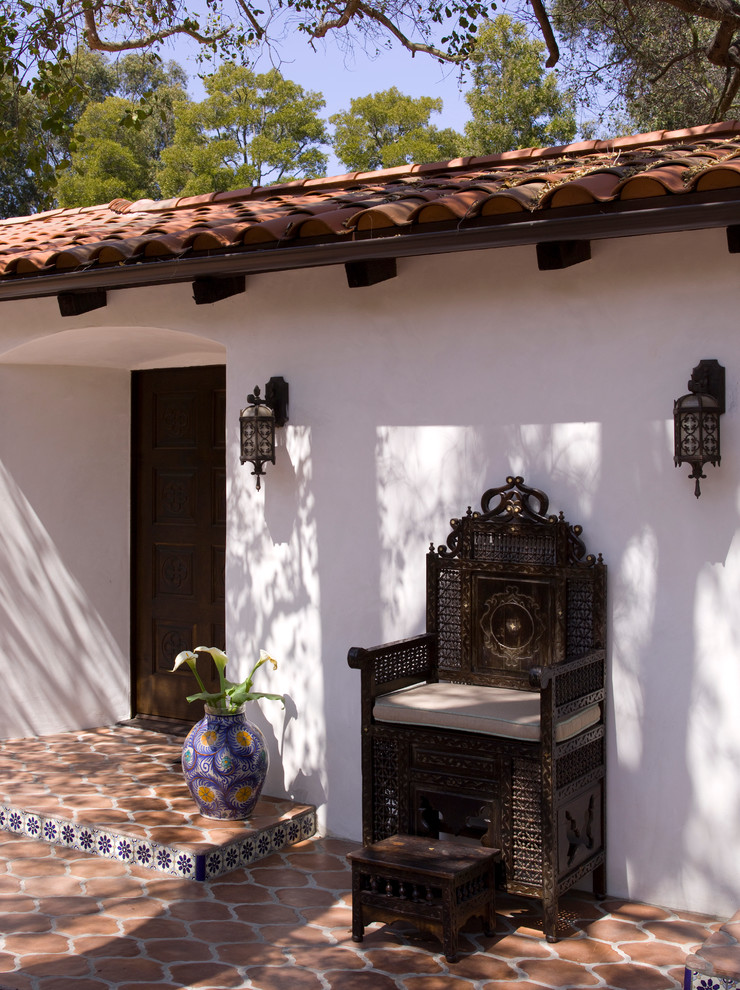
[[340, 77]]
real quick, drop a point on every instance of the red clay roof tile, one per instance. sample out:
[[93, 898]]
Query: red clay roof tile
[[409, 199]]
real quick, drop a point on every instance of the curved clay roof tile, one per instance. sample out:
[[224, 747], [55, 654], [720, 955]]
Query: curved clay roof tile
[[720, 176], [457, 206]]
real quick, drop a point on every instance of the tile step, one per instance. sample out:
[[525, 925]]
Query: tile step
[[118, 793]]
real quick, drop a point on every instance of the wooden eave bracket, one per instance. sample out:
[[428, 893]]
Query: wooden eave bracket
[[370, 272], [81, 301], [552, 255], [733, 239], [211, 289]]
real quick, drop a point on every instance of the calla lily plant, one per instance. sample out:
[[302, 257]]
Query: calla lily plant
[[231, 696]]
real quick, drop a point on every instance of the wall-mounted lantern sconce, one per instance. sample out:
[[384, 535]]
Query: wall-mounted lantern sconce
[[696, 420], [257, 424]]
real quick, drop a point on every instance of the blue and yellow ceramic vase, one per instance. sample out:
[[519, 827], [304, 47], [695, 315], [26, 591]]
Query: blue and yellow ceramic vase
[[225, 761]]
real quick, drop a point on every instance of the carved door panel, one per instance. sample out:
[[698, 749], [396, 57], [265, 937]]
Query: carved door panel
[[179, 531]]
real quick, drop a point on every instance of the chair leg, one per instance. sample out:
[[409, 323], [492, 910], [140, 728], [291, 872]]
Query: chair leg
[[550, 918], [599, 882]]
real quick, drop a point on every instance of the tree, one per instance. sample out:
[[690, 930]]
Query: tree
[[514, 102], [250, 130], [113, 151], [389, 128], [647, 61]]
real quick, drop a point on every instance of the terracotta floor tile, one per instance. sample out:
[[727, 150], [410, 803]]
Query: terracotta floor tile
[[653, 953], [477, 966], [352, 980], [328, 917], [26, 922], [611, 930], [207, 974], [676, 931], [280, 978], [83, 924], [200, 911], [282, 924], [119, 970], [557, 973], [301, 897], [404, 960], [55, 965], [25, 942], [241, 893], [328, 957], [447, 982], [633, 977], [585, 951]]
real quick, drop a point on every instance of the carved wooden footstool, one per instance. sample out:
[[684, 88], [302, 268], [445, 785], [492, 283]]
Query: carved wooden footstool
[[435, 884]]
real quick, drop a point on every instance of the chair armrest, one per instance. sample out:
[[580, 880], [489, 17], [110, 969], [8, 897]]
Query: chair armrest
[[575, 683], [395, 665]]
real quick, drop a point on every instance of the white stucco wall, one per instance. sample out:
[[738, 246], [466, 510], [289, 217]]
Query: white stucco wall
[[408, 400]]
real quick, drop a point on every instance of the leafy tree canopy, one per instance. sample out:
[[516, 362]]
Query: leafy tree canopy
[[252, 129], [514, 102], [657, 64], [387, 129]]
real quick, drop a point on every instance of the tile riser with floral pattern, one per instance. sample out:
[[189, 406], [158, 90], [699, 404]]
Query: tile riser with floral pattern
[[172, 860]]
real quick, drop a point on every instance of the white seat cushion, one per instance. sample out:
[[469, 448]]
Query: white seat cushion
[[490, 711]]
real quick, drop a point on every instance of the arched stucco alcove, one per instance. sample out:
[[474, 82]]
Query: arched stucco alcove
[[65, 468]]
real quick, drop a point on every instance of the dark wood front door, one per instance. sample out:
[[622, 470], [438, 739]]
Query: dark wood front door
[[179, 532]]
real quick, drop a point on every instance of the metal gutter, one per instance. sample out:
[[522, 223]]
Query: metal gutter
[[602, 224]]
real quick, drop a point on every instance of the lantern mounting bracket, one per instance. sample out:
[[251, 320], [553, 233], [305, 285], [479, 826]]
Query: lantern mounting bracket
[[708, 378]]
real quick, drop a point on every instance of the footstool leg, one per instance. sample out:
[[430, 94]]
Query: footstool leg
[[358, 927]]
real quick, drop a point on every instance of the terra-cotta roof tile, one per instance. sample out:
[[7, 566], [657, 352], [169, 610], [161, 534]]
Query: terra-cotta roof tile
[[504, 189]]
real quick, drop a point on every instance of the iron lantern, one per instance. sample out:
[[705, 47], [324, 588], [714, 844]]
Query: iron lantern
[[257, 423], [696, 420]]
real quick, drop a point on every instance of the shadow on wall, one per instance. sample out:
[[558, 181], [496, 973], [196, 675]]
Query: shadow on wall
[[61, 666]]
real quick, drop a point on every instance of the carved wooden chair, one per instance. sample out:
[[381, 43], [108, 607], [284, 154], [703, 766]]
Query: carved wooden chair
[[491, 725]]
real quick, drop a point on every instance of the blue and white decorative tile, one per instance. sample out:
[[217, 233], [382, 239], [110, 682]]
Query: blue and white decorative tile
[[184, 865], [231, 857], [14, 820], [294, 831], [85, 839], [699, 981], [214, 864], [67, 834], [163, 859], [263, 844], [123, 849], [143, 854], [278, 837], [105, 844], [247, 851], [51, 829], [308, 825], [32, 825]]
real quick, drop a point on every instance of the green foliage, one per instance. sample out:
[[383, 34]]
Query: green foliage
[[109, 160], [514, 102], [387, 129], [38, 39], [250, 130], [113, 147], [646, 62]]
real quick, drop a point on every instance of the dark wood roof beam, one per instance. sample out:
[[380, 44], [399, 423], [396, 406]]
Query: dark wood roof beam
[[370, 272], [211, 289], [733, 239], [81, 301], [552, 255]]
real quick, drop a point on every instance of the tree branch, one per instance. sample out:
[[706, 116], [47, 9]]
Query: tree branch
[[96, 43], [354, 7], [543, 19]]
